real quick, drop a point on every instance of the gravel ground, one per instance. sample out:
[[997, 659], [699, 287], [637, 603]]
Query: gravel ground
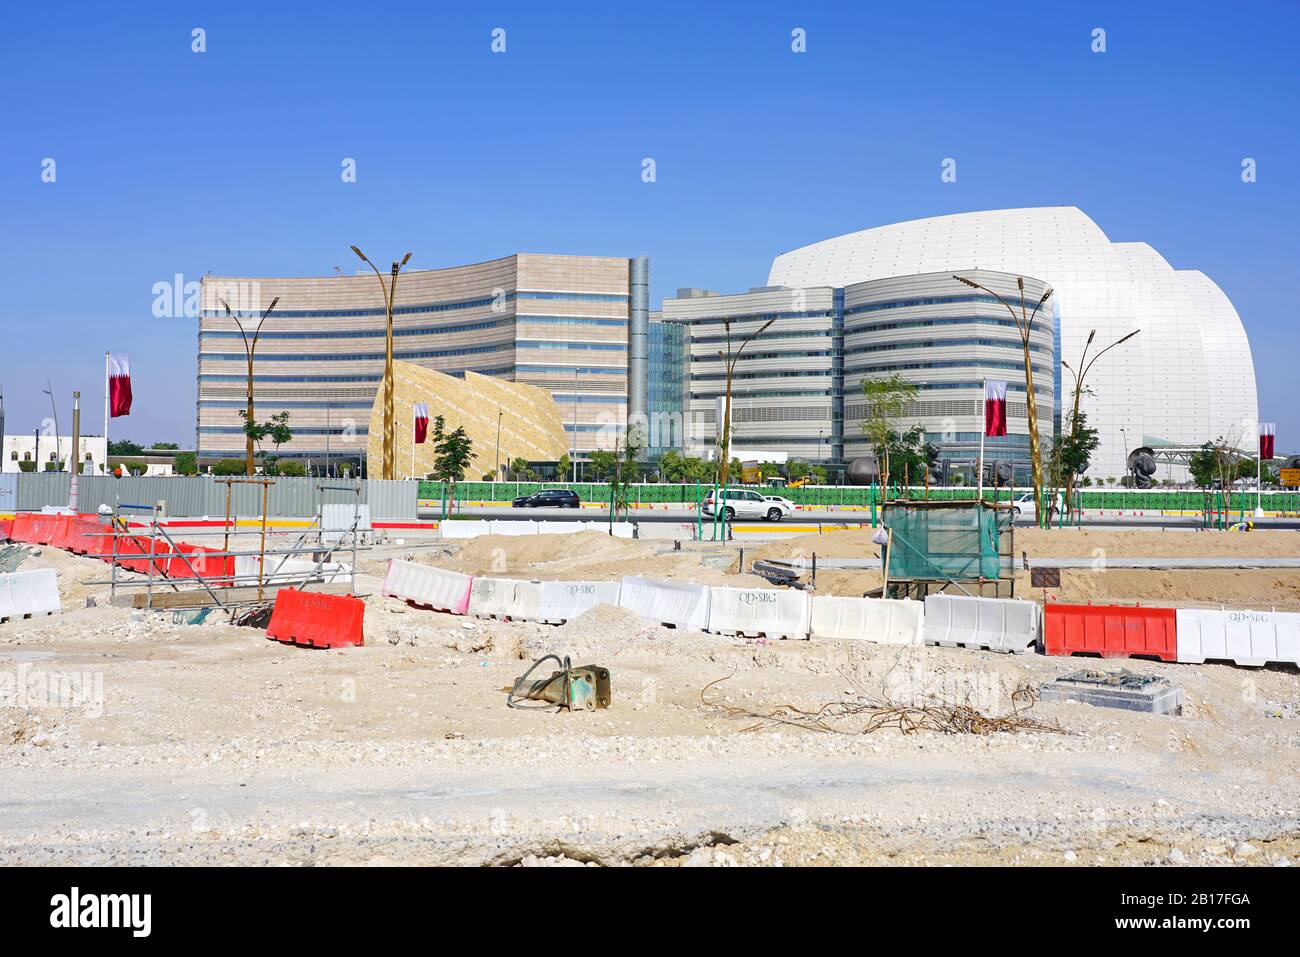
[[176, 743]]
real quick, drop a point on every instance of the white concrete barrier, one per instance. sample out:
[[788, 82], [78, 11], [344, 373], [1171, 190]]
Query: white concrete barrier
[[885, 621], [464, 529], [621, 529], [513, 527], [505, 598], [998, 624], [284, 569], [1246, 637], [564, 601], [773, 612], [435, 588], [680, 604], [33, 592], [562, 528]]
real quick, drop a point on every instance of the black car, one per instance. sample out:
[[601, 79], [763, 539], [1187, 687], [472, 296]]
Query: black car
[[548, 498]]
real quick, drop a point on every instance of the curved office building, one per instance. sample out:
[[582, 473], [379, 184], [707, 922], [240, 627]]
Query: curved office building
[[947, 339], [557, 322], [1186, 378]]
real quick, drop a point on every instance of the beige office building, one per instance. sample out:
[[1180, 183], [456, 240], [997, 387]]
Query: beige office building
[[557, 322]]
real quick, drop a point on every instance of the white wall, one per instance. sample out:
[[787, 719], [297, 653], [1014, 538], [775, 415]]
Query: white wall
[[24, 446]]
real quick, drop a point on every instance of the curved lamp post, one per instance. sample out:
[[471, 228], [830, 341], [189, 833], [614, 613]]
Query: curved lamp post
[[389, 291], [249, 349], [729, 363], [1084, 365], [1024, 325]]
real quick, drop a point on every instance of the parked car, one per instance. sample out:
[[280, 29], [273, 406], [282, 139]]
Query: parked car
[[745, 503], [548, 498]]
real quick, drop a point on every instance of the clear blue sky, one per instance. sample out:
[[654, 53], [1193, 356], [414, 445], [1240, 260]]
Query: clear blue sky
[[174, 162]]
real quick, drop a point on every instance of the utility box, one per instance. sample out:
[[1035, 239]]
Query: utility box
[[1117, 689]]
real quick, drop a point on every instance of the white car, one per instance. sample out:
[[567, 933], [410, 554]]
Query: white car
[[1024, 505], [746, 503]]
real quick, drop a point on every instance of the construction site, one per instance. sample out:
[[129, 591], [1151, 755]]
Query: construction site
[[342, 690]]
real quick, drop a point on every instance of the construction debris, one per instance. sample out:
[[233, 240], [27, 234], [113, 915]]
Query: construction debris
[[581, 688], [879, 715], [1117, 689]]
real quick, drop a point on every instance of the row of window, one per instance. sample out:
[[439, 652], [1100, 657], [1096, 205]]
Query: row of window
[[377, 333], [938, 343], [355, 356], [933, 301], [563, 344], [239, 430], [222, 377], [925, 323], [958, 364], [421, 307], [760, 317], [807, 334], [774, 354], [570, 370]]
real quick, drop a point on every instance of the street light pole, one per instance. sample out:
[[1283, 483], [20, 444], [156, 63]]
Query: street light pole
[[249, 350], [574, 463], [54, 408], [1024, 325], [496, 469], [729, 362], [389, 293], [1084, 365]]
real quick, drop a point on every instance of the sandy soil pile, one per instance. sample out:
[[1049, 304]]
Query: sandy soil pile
[[1070, 543], [592, 556]]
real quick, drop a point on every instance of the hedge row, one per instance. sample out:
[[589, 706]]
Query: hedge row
[[1117, 500]]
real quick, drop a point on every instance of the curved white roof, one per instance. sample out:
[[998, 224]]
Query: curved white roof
[[1187, 377]]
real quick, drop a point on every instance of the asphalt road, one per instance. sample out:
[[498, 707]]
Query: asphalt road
[[672, 516]]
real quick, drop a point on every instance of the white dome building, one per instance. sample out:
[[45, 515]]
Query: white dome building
[[1188, 377]]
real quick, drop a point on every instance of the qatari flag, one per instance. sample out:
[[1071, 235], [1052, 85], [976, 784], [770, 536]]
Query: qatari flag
[[421, 423], [119, 387], [1267, 430], [995, 408]]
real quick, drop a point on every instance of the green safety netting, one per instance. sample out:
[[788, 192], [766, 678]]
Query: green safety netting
[[949, 542]]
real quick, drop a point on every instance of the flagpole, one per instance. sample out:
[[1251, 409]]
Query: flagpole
[[413, 440], [1259, 477], [105, 462], [984, 427]]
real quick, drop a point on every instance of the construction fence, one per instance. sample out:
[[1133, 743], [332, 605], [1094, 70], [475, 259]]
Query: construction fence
[[205, 495]]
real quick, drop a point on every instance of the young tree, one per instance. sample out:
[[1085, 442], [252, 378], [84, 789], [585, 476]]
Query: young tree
[[1071, 452], [125, 447], [887, 399], [452, 452], [187, 463]]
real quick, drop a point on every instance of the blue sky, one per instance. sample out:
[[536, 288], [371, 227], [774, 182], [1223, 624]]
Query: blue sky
[[173, 162]]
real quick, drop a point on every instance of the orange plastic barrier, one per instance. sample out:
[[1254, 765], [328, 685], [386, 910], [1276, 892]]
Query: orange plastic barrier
[[317, 621], [60, 530], [6, 528], [1111, 631], [34, 528]]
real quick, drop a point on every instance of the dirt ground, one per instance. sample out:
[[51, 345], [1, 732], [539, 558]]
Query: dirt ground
[[132, 737]]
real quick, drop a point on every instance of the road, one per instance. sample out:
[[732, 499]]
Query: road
[[674, 516]]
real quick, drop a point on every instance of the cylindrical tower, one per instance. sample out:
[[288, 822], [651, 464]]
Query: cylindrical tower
[[638, 343]]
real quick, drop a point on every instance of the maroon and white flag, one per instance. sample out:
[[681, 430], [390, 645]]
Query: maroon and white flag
[[995, 408], [1267, 431], [119, 386], [421, 423]]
